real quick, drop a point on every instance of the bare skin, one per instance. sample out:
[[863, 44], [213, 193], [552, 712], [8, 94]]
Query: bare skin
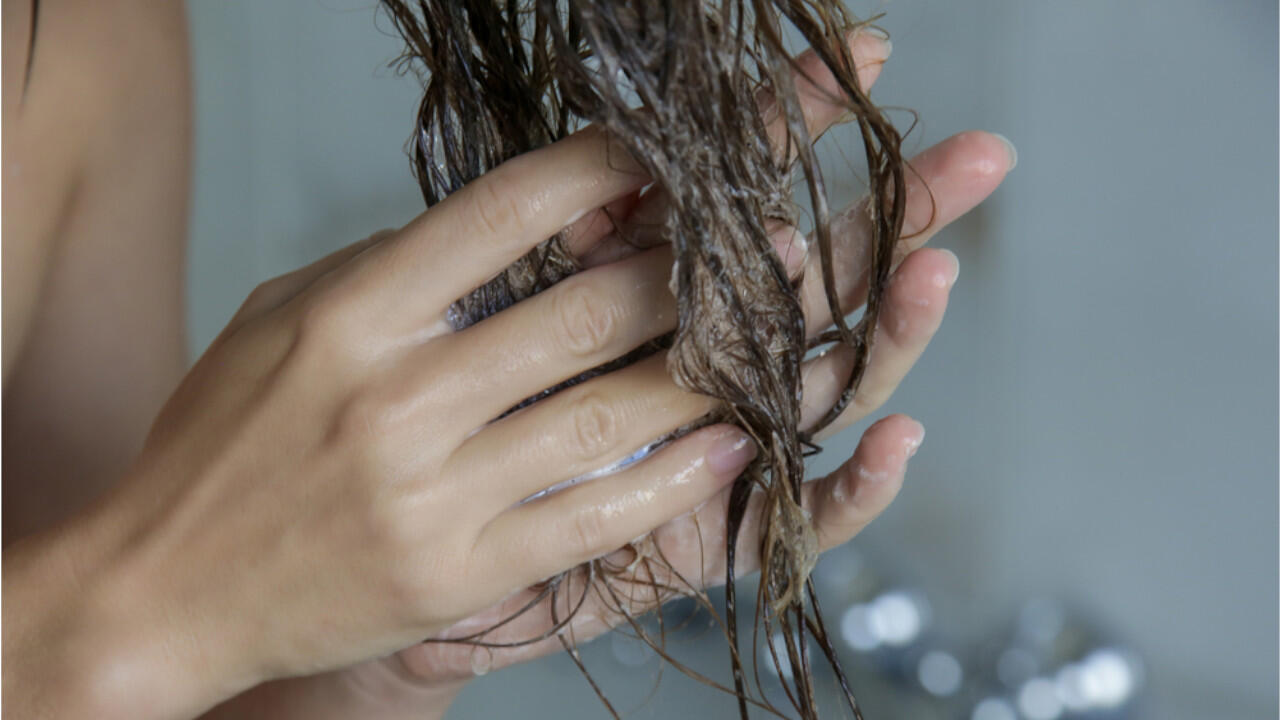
[[305, 506]]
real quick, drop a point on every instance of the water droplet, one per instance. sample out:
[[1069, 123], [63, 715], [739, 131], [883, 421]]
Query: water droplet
[[481, 660]]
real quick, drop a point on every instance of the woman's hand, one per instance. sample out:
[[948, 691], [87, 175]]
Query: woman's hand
[[641, 402], [325, 485], [961, 172]]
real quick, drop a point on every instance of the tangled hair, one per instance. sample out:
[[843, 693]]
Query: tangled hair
[[674, 82]]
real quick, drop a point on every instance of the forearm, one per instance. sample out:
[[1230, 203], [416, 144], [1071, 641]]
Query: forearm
[[86, 636], [88, 633]]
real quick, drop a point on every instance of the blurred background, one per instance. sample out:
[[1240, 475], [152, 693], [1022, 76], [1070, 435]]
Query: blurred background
[[1090, 529]]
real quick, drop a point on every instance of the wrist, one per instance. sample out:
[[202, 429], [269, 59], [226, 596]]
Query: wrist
[[88, 634], [374, 690]]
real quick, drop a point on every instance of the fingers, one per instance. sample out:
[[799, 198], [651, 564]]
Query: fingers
[[487, 225], [477, 231], [943, 183], [694, 543], [581, 323], [576, 431], [823, 105], [528, 632], [847, 500], [595, 424], [520, 627], [841, 505], [820, 96], [915, 303], [607, 418], [539, 539], [495, 219]]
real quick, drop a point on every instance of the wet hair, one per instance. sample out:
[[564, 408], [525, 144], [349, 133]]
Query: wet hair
[[31, 48], [674, 83]]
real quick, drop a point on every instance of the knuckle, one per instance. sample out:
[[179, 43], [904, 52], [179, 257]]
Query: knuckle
[[497, 206], [865, 402], [594, 426], [357, 421], [325, 319], [368, 421], [587, 323], [586, 534], [265, 294], [914, 314]]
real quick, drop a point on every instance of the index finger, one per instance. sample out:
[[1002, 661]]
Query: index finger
[[476, 232]]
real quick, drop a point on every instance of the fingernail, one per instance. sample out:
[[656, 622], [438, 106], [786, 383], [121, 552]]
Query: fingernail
[[1010, 149], [885, 43], [955, 268], [792, 246], [915, 438], [730, 453]]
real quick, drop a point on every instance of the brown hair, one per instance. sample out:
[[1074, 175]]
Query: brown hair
[[674, 83]]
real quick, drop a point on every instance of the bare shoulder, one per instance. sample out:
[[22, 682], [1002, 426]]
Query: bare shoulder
[[96, 165]]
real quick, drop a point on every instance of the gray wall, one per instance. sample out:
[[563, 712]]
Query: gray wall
[[1101, 402]]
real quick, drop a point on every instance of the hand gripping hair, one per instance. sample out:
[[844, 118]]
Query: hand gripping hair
[[675, 84]]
